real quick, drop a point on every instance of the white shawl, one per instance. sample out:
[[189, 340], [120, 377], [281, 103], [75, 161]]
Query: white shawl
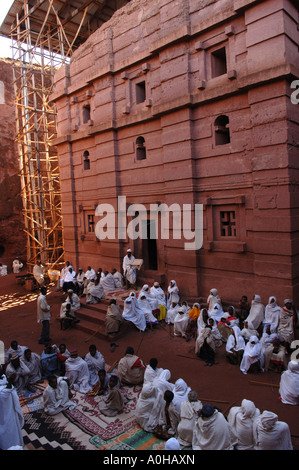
[[213, 433], [257, 312], [271, 434], [289, 384], [241, 419]]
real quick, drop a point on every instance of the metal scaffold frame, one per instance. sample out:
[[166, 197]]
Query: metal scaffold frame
[[36, 55]]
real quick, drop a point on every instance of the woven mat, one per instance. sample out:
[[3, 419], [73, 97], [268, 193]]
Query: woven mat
[[121, 293], [134, 439]]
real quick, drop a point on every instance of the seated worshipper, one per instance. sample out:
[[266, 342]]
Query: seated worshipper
[[133, 313], [271, 434], [15, 349], [172, 294], [289, 384], [94, 292], [180, 392], [215, 332], [180, 323], [168, 417], [63, 272], [32, 361], [256, 313], [114, 402], [100, 274], [286, 323], [38, 274], [235, 346], [275, 356], [224, 328], [118, 278], [212, 431], [16, 266], [62, 355], [243, 310], [191, 330], [152, 299], [157, 292], [108, 281], [252, 359], [101, 387], [74, 300], [80, 282], [77, 371], [130, 369], [205, 346], [129, 270], [216, 312], [161, 382], [241, 419], [202, 320], [56, 396], [49, 361], [248, 331], [152, 371], [145, 306], [69, 280], [11, 416], [213, 299], [90, 275], [272, 312], [148, 407], [188, 416], [66, 317], [171, 313], [114, 318], [95, 361], [18, 375]]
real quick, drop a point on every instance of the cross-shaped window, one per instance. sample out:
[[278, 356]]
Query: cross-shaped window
[[228, 223]]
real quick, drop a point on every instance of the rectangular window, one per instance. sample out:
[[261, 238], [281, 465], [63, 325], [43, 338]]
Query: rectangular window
[[218, 62], [140, 92], [90, 223], [228, 224]]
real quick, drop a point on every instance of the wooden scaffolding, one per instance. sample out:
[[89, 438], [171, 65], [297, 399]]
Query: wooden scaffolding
[[44, 35]]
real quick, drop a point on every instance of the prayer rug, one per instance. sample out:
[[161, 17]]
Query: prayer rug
[[133, 439], [32, 401], [88, 418]]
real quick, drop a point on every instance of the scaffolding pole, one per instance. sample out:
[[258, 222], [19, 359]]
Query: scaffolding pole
[[36, 56]]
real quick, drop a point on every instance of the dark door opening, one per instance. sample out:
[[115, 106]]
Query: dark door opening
[[149, 246]]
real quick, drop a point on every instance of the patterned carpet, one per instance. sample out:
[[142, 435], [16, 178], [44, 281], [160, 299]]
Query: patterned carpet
[[134, 439]]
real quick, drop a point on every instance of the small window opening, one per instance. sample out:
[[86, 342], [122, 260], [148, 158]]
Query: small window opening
[[86, 114], [222, 134], [218, 62], [90, 223], [228, 223], [86, 162], [140, 148], [140, 92]]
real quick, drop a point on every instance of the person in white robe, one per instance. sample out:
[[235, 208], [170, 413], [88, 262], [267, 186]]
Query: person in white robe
[[235, 346], [162, 381], [90, 275], [150, 297], [133, 313], [171, 313], [275, 355], [241, 419], [144, 304], [108, 281], [256, 314], [272, 312], [202, 320], [215, 332], [72, 299], [18, 374], [252, 355], [172, 444], [158, 293], [38, 273], [129, 270], [95, 361], [69, 280], [286, 323], [248, 330], [212, 299], [56, 396], [118, 278], [205, 346], [168, 418], [94, 292], [148, 407], [216, 312], [212, 431], [180, 392], [77, 371], [80, 282], [16, 266], [11, 416], [188, 415], [289, 384], [152, 371], [180, 323], [15, 349], [32, 361], [172, 294], [63, 272], [270, 433]]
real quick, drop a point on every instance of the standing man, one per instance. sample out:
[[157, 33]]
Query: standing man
[[129, 270], [43, 316]]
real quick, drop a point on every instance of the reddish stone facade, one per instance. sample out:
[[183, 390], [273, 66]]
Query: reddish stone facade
[[188, 102], [12, 236]]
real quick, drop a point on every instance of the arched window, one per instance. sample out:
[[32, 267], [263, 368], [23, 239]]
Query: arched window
[[140, 148], [222, 134], [86, 162]]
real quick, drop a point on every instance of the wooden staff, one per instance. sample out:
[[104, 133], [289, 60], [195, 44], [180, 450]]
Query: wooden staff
[[264, 383], [210, 400], [29, 399]]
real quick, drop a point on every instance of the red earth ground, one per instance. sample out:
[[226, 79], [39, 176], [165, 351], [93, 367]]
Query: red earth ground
[[222, 384]]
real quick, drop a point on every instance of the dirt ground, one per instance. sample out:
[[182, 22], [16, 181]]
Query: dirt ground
[[222, 385]]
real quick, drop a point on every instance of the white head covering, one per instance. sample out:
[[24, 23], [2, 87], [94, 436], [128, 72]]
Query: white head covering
[[172, 444]]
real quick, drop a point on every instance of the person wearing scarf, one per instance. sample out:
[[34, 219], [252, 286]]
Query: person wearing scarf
[[188, 414], [256, 313], [241, 419], [235, 346], [148, 407], [272, 312], [270, 433], [212, 431], [172, 294], [289, 384], [252, 357], [286, 323], [95, 361]]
